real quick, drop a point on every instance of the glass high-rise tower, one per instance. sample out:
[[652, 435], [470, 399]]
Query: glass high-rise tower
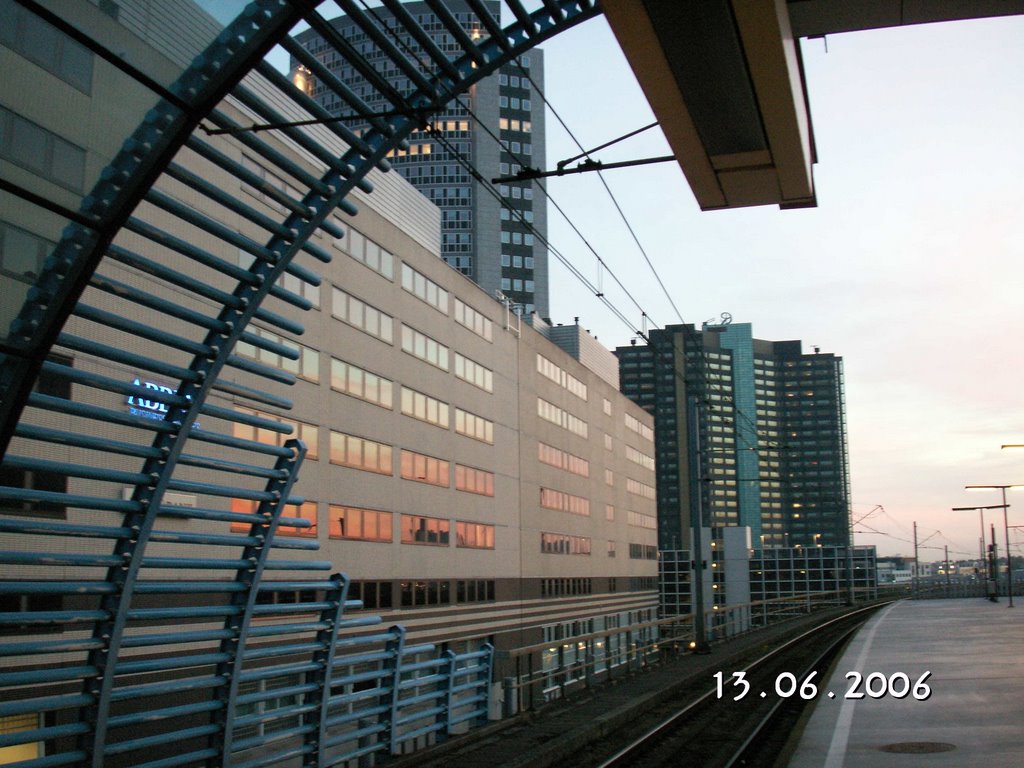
[[772, 442], [493, 234]]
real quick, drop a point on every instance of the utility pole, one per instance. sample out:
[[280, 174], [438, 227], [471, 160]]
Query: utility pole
[[946, 568], [696, 524], [993, 574], [916, 570]]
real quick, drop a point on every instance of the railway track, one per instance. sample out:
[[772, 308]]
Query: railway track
[[744, 718], [591, 728]]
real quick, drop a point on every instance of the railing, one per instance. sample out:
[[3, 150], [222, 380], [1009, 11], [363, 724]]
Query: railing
[[597, 657]]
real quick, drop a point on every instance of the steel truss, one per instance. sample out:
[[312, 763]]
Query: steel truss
[[142, 662]]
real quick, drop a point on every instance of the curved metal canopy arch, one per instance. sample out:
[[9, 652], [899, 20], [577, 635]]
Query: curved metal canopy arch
[[111, 689]]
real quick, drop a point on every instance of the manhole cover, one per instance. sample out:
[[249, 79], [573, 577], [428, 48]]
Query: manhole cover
[[918, 747]]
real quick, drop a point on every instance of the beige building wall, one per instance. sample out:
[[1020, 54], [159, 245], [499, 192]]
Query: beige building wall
[[522, 588]]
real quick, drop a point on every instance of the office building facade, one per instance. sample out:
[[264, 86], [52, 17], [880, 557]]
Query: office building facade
[[493, 233], [770, 449]]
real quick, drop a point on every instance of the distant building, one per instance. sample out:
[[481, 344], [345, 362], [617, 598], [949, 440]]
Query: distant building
[[499, 243], [771, 423]]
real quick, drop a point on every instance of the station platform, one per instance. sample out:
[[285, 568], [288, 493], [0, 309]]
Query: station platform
[[972, 715]]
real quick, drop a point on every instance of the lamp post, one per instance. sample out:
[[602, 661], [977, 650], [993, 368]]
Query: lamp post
[[981, 541], [1006, 530]]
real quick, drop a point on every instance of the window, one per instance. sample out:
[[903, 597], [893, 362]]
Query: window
[[425, 469], [272, 190], [353, 380], [639, 457], [474, 321], [640, 489], [365, 251], [425, 348], [473, 480], [360, 453], [260, 713], [22, 253], [564, 502], [416, 594], [564, 419], [634, 424], [417, 529], [474, 535], [361, 315], [643, 551], [45, 45], [45, 153], [307, 364], [564, 544], [563, 378], [424, 288], [474, 590], [556, 457], [424, 407], [640, 520], [38, 480], [609, 477], [307, 433], [359, 524], [476, 427], [373, 594], [306, 511], [611, 553], [474, 373]]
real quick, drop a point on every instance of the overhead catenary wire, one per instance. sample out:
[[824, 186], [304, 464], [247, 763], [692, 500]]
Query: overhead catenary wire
[[710, 383]]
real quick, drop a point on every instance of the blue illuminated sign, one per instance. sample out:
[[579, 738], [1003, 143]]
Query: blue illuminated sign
[[150, 408]]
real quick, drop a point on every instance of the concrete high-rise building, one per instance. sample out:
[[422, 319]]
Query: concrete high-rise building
[[770, 425], [496, 235]]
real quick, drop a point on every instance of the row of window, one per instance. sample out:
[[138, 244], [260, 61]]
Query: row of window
[[358, 524], [21, 253], [563, 378], [475, 321], [516, 284], [519, 262], [306, 364], [563, 587], [640, 520], [564, 544], [514, 102], [639, 457], [564, 502], [424, 288], [556, 457], [27, 34], [561, 417], [639, 489], [634, 424], [474, 373], [509, 124], [643, 551], [376, 595], [40, 151], [425, 348]]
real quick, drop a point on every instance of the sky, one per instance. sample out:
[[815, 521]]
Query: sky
[[911, 267]]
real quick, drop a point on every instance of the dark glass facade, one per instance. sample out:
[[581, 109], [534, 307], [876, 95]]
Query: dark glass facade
[[771, 428], [494, 234]]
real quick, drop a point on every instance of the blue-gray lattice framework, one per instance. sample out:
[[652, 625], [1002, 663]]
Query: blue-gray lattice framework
[[307, 686]]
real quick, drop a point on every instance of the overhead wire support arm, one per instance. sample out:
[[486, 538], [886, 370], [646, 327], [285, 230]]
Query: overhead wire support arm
[[589, 164], [527, 174]]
